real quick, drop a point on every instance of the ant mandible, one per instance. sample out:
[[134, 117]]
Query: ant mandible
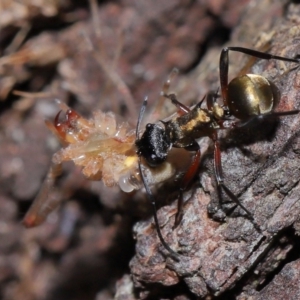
[[246, 98]]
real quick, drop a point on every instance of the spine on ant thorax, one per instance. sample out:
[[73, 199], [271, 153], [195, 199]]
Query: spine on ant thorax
[[193, 125]]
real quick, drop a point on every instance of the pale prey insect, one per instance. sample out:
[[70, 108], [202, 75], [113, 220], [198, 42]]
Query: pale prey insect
[[103, 148]]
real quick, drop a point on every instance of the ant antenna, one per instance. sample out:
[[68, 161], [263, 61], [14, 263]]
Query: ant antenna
[[150, 196], [141, 114]]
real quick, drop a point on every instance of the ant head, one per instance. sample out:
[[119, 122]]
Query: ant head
[[154, 144]]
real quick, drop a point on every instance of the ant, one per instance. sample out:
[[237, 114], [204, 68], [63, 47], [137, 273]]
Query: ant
[[246, 99]]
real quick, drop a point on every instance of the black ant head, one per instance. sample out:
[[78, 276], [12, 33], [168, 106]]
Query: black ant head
[[154, 145]]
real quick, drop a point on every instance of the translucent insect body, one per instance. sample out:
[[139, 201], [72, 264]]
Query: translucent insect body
[[104, 149]]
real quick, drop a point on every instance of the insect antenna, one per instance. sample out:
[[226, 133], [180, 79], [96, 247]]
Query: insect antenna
[[150, 196]]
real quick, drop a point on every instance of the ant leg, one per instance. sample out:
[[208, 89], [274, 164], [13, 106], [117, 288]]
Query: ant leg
[[188, 176], [220, 178], [224, 63], [167, 83], [150, 196], [152, 200], [273, 114], [182, 109], [238, 123], [211, 98], [42, 205], [220, 113], [157, 109]]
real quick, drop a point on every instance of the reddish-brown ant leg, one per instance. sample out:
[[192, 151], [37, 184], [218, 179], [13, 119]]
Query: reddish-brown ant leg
[[150, 196], [40, 208], [182, 109], [191, 172], [152, 200], [188, 176], [211, 98], [227, 124], [224, 65], [219, 175], [158, 108]]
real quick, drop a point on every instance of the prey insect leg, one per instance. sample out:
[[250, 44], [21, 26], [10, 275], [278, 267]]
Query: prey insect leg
[[41, 208]]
